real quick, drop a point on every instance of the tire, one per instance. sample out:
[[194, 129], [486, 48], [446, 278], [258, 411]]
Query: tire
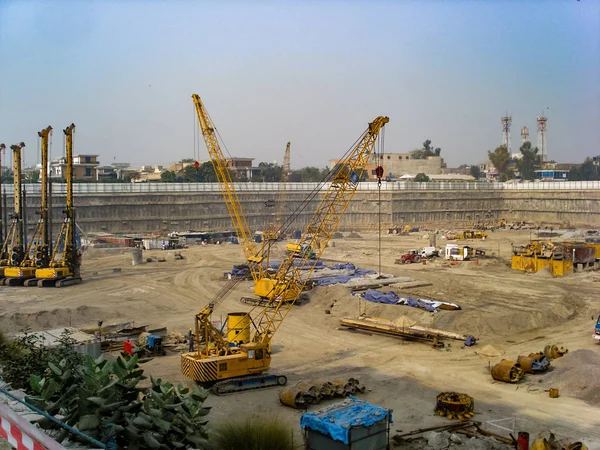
[[407, 261], [281, 380], [417, 260]]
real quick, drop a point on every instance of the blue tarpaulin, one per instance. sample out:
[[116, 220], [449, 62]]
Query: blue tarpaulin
[[391, 298], [337, 420]]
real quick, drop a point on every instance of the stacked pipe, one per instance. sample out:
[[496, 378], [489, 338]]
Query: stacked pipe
[[311, 392]]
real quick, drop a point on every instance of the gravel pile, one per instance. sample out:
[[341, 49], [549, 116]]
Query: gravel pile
[[576, 375]]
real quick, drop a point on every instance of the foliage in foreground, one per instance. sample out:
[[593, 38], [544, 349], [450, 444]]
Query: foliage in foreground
[[254, 433], [103, 400]]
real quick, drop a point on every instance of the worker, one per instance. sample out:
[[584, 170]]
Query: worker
[[191, 336]]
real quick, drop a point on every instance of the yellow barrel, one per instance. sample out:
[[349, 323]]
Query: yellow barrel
[[238, 327]]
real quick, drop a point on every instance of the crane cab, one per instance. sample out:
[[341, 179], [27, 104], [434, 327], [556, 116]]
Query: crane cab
[[250, 359]]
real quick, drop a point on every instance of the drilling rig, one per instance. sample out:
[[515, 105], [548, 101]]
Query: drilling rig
[[64, 267], [37, 253], [241, 365], [12, 252]]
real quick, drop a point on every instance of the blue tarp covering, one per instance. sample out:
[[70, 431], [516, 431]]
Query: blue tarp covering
[[391, 298], [337, 420], [328, 281]]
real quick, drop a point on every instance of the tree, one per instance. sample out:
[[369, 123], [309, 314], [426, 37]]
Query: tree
[[426, 151], [475, 171], [421, 178], [312, 174], [7, 175], [168, 176], [528, 162], [205, 174], [588, 171], [500, 158], [130, 176], [269, 172]]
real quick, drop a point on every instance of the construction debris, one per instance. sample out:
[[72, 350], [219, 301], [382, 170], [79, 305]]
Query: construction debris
[[467, 434], [508, 371], [553, 352], [384, 326], [454, 405], [534, 363], [312, 392], [391, 298]]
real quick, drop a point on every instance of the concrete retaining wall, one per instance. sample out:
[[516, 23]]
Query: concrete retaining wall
[[169, 211]]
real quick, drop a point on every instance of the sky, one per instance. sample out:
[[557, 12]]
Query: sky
[[311, 72]]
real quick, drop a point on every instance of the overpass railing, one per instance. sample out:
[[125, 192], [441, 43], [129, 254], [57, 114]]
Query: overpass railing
[[135, 188]]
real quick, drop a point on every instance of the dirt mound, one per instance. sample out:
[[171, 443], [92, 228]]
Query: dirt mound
[[354, 236], [490, 351], [56, 318], [576, 375]]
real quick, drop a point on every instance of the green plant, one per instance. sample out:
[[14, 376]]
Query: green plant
[[103, 400], [20, 357], [254, 433]]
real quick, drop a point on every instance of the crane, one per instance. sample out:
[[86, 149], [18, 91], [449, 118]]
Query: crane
[[244, 366], [65, 262], [12, 249], [37, 251], [2, 224]]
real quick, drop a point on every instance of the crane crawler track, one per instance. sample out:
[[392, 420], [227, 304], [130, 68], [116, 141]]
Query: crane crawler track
[[251, 382]]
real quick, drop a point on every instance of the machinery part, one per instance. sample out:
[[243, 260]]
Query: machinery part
[[507, 371], [533, 364], [326, 389], [293, 397], [553, 393], [252, 382], [553, 352], [311, 392], [12, 252], [256, 301], [455, 405]]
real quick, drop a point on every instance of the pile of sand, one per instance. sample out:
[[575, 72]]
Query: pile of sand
[[354, 235], [490, 351], [577, 375]]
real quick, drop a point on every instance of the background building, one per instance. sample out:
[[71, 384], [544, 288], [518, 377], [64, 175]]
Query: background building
[[395, 165]]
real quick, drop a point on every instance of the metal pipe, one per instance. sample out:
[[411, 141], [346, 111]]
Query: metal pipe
[[69, 428]]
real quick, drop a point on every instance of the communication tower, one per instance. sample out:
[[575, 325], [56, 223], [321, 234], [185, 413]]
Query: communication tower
[[524, 135], [542, 146], [506, 122]]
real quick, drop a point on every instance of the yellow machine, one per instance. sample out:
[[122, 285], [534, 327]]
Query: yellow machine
[[12, 249], [37, 253], [2, 237], [64, 267], [470, 234], [243, 366]]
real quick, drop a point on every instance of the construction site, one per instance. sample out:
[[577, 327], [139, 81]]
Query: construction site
[[475, 324]]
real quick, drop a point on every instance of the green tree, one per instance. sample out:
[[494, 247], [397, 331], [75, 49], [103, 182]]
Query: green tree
[[500, 158], [269, 172], [205, 174], [588, 171], [168, 176], [475, 171], [130, 176], [312, 174], [421, 178], [426, 151], [7, 175], [528, 162]]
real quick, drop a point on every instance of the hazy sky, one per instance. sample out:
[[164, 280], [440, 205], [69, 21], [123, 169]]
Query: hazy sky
[[311, 72]]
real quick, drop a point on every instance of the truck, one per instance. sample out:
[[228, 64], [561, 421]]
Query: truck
[[416, 256], [455, 252], [597, 331]]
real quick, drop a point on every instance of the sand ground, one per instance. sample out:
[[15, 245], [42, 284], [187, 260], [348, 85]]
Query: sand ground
[[514, 312]]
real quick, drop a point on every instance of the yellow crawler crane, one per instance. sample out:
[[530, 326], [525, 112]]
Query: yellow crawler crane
[[64, 267], [12, 252], [37, 253], [244, 366]]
